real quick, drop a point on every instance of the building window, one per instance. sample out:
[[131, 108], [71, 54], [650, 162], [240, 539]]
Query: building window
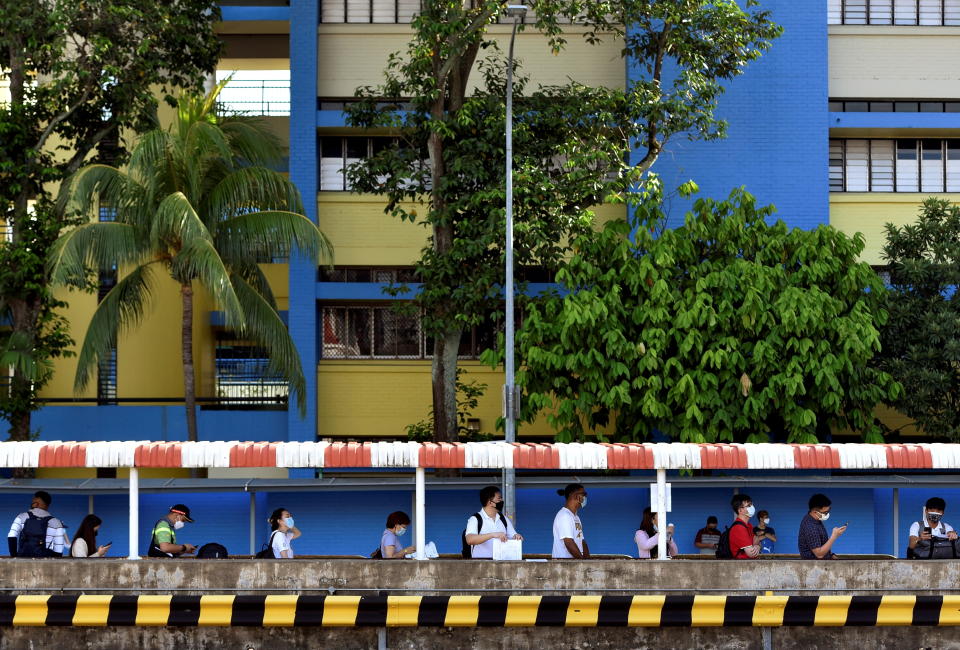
[[893, 12], [891, 106], [255, 92], [386, 11], [243, 374], [903, 165], [384, 332], [339, 152], [106, 281]]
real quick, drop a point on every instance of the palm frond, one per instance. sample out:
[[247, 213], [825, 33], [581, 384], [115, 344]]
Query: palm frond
[[265, 327], [151, 153], [92, 246], [95, 184], [251, 140], [199, 260], [255, 277], [251, 188], [122, 309], [266, 233], [206, 150], [176, 220]]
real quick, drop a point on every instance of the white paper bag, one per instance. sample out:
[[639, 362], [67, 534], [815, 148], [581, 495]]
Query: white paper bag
[[430, 550], [509, 550]]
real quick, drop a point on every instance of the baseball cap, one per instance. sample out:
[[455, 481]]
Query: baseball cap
[[181, 509]]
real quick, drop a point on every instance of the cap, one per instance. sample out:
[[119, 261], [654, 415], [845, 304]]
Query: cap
[[181, 509]]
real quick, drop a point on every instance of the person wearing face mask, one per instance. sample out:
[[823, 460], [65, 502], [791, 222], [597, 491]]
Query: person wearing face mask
[[568, 540], [933, 520], [163, 539], [282, 533], [390, 547], [648, 536], [764, 532], [743, 543], [708, 537], [812, 540], [488, 524]]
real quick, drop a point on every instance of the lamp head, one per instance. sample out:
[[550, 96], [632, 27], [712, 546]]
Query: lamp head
[[516, 11]]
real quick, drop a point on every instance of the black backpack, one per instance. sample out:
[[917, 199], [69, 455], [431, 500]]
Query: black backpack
[[266, 551], [723, 545], [212, 551], [465, 548], [33, 537], [938, 548]]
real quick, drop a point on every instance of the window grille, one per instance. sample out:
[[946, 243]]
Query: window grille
[[893, 12], [243, 374], [339, 152]]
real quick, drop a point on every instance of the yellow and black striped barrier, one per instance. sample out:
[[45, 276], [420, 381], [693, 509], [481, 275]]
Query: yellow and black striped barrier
[[479, 611]]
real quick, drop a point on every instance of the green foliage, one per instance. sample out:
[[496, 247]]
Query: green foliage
[[571, 143], [724, 329], [199, 203], [79, 73], [921, 339]]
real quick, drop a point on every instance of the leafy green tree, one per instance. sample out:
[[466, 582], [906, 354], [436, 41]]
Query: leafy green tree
[[198, 202], [724, 329], [569, 142], [921, 339], [79, 74]]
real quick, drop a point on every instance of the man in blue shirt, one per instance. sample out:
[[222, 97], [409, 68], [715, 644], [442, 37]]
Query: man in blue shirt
[[812, 540]]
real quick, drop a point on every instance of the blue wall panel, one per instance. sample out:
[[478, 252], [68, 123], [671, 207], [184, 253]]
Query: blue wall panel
[[166, 423], [777, 140]]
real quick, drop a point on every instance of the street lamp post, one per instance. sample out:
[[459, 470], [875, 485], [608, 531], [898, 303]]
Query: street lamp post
[[511, 400]]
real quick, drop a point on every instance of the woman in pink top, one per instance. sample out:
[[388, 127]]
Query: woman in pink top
[[647, 537]]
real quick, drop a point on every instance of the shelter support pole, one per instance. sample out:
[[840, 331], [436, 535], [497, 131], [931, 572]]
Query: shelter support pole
[[420, 514], [896, 522], [253, 523], [134, 553], [662, 514]]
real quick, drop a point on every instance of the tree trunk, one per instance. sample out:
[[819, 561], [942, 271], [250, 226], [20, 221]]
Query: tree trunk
[[24, 314], [444, 375], [189, 375]]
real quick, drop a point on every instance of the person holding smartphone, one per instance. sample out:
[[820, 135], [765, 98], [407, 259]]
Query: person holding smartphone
[[931, 524], [812, 539], [85, 542]]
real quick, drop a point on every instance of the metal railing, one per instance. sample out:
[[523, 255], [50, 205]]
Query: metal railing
[[268, 97]]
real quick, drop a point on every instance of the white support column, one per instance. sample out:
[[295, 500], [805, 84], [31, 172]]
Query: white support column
[[662, 514], [134, 514], [420, 514], [896, 522], [253, 523]]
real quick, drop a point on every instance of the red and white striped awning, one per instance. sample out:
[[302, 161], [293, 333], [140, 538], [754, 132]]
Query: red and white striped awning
[[478, 455]]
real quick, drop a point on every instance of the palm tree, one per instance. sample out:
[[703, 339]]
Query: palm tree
[[199, 202]]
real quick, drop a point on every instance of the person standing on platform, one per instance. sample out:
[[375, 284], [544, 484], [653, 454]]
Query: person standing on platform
[[708, 537], [37, 533], [743, 544], [163, 539], [812, 539], [764, 532], [568, 539], [488, 524]]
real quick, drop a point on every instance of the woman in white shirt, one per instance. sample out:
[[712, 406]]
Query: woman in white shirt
[[86, 539], [283, 532]]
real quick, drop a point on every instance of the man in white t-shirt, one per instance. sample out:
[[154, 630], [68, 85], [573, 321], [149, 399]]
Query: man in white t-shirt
[[932, 519], [568, 541], [491, 525]]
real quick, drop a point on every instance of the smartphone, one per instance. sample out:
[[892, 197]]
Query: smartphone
[[927, 529], [107, 544]]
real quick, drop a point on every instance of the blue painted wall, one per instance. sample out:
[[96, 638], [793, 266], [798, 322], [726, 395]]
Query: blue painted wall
[[350, 523], [777, 141], [166, 423]]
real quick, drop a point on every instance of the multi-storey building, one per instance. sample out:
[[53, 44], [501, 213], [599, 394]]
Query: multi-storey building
[[851, 118]]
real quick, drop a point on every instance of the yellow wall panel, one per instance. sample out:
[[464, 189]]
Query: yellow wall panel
[[868, 213], [343, 67], [380, 398], [79, 311], [894, 62], [363, 235]]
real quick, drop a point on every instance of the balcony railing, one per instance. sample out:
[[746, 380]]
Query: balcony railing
[[270, 97]]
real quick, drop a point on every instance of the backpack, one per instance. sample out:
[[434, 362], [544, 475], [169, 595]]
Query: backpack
[[938, 548], [33, 537], [465, 551], [212, 551], [723, 545], [377, 554], [266, 551]]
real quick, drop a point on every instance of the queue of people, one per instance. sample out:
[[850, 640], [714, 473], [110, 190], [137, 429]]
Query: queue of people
[[36, 533]]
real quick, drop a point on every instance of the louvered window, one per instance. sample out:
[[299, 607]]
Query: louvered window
[[905, 165]]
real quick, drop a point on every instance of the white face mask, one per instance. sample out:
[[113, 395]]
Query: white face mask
[[583, 504], [401, 531], [766, 521], [656, 528], [750, 511], [288, 521], [824, 516], [178, 525]]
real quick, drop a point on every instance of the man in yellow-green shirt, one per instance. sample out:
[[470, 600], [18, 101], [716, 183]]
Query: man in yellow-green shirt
[[163, 539]]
